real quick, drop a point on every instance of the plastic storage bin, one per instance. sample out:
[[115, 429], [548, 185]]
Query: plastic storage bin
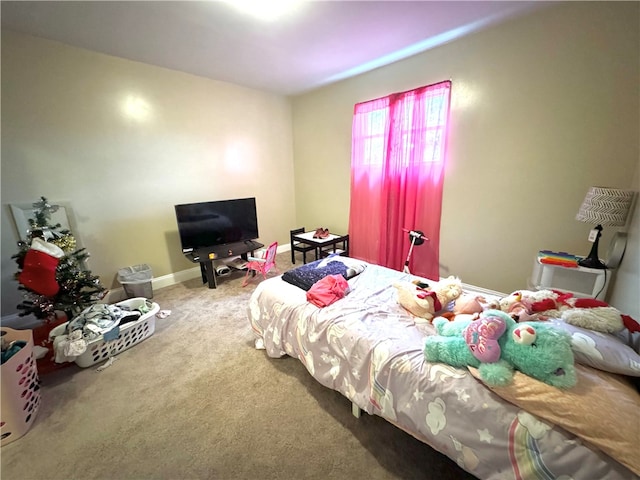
[[136, 280], [20, 388], [130, 335]]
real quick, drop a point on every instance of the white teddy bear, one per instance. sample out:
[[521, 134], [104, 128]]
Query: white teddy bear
[[424, 303]]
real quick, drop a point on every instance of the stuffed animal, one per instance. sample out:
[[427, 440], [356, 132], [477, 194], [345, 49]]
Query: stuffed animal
[[600, 318], [589, 313], [496, 345], [425, 303], [630, 323], [534, 305], [467, 305]]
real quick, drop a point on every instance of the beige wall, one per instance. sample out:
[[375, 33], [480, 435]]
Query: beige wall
[[543, 107], [65, 136]]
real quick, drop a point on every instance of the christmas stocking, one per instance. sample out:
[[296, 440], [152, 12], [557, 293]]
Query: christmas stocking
[[39, 269]]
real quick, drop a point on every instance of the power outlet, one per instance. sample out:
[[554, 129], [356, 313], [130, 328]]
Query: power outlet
[[593, 235]]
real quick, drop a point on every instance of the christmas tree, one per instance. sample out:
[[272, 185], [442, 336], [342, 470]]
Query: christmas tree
[[52, 273]]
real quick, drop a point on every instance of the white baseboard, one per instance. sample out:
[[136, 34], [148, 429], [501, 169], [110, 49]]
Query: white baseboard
[[117, 294], [473, 289]]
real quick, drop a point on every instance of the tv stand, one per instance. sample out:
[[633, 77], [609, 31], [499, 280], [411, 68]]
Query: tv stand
[[205, 256]]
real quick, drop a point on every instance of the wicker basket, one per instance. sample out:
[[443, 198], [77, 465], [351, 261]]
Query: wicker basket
[[130, 334], [20, 388]]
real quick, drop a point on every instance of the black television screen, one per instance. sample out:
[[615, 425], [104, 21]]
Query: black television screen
[[207, 224]]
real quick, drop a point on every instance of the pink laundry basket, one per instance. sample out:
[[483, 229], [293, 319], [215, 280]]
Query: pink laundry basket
[[20, 388]]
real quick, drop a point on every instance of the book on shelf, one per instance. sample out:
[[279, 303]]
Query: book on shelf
[[562, 259]]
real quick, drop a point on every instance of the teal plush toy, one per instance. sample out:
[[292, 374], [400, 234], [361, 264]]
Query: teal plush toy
[[496, 345]]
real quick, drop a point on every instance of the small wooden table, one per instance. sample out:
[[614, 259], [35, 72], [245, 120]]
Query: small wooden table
[[318, 243]]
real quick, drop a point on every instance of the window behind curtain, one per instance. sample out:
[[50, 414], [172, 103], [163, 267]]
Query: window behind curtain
[[397, 176]]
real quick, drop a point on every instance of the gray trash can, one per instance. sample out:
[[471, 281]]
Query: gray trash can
[[136, 280]]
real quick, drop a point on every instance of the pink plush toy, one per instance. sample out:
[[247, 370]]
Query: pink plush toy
[[467, 305]]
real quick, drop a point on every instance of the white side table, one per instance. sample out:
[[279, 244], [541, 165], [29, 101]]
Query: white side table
[[580, 281]]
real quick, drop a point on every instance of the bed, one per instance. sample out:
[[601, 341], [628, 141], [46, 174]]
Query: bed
[[368, 348]]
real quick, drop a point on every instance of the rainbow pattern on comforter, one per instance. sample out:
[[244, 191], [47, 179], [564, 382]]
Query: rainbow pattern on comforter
[[367, 347]]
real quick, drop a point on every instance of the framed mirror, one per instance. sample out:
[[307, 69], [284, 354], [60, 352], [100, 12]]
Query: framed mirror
[[22, 212]]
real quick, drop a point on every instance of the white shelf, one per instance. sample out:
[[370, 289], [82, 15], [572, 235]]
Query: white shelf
[[579, 281]]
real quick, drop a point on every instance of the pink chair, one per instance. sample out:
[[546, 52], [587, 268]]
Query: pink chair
[[262, 265]]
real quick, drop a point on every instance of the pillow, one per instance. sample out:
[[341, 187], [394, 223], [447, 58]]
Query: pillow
[[354, 267], [629, 338], [601, 350], [602, 409], [306, 275]]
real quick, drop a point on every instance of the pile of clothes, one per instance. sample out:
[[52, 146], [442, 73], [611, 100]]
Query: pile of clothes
[[325, 281], [97, 321], [9, 349]]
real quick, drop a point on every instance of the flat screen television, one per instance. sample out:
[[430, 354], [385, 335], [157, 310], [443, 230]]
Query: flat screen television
[[207, 224]]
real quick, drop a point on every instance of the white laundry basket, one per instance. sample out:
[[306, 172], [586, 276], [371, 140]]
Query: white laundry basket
[[20, 388], [130, 334]]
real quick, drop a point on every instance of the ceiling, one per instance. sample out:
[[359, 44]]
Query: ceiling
[[319, 43]]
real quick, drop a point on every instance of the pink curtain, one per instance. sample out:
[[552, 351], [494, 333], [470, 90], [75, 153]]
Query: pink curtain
[[397, 177]]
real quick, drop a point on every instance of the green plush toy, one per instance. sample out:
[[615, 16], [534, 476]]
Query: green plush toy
[[497, 345]]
